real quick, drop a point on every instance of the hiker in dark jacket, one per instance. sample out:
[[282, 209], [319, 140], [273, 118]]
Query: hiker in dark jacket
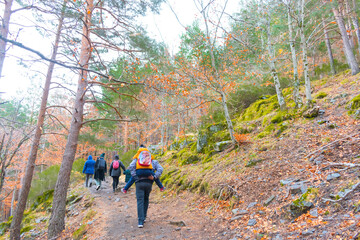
[[89, 169], [100, 170], [115, 171], [143, 189]]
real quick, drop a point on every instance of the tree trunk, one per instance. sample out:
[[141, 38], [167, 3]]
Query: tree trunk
[[296, 93], [355, 21], [347, 47], [5, 31], [305, 56], [29, 171], [274, 73], [329, 50], [14, 195], [57, 219], [227, 117], [126, 136]]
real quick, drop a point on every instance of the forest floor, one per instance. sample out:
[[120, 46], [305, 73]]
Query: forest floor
[[168, 217], [315, 160], [297, 164]]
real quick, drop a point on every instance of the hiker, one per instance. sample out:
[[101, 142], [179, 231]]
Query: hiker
[[100, 170], [145, 173], [115, 171], [89, 169], [144, 182]]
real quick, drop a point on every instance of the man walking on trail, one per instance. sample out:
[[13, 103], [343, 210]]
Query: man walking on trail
[[100, 170], [115, 171], [143, 188]]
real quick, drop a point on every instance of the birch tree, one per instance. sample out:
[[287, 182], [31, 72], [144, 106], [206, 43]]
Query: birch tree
[[5, 22], [350, 57]]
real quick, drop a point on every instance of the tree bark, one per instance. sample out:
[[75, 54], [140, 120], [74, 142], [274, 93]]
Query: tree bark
[[350, 57], [5, 31], [296, 93], [355, 21], [274, 73], [329, 50], [126, 136], [29, 171], [57, 219], [227, 117], [305, 55]]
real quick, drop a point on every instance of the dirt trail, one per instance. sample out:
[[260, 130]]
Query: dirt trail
[[117, 216]]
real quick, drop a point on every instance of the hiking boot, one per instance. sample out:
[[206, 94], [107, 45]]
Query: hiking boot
[[141, 224], [98, 187], [123, 190], [162, 189]]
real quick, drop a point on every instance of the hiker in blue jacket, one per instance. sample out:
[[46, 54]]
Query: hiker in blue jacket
[[89, 169]]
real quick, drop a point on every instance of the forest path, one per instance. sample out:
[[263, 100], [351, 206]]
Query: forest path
[[116, 216]]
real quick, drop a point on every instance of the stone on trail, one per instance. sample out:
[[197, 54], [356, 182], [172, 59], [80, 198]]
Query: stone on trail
[[178, 223], [251, 204], [252, 222], [269, 200], [237, 211], [333, 176]]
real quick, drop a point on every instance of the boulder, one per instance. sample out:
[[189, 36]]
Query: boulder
[[221, 146], [202, 141], [298, 188], [298, 208], [311, 113]]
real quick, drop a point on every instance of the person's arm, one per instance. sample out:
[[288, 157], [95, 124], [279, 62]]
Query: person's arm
[[132, 168], [122, 165], [84, 168], [158, 168], [111, 167]]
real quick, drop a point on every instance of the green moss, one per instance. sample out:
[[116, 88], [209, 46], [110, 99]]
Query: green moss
[[4, 226], [220, 136], [89, 215], [26, 229], [190, 159], [309, 195], [321, 95], [281, 116], [204, 187], [192, 146], [45, 200], [80, 232], [267, 131], [260, 108], [354, 103]]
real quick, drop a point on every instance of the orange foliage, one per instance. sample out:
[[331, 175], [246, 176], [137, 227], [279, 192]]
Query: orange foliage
[[241, 138]]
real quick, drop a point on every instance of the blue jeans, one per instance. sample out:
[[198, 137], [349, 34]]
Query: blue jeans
[[143, 189], [132, 180]]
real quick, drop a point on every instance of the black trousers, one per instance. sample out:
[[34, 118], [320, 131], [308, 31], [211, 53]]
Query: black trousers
[[115, 182], [143, 189]]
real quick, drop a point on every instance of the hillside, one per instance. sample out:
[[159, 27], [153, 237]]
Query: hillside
[[292, 176]]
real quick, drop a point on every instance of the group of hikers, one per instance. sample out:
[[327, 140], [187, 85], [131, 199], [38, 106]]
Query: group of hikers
[[143, 171]]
